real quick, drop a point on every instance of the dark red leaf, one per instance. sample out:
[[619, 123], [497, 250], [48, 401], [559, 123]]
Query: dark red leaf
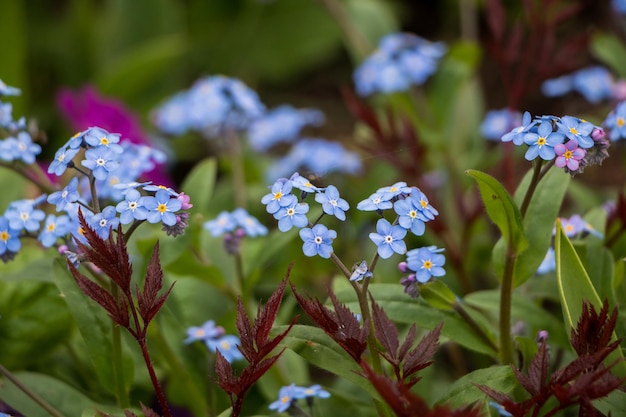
[[538, 369], [386, 333], [594, 330], [409, 339], [422, 356], [148, 412], [267, 315]]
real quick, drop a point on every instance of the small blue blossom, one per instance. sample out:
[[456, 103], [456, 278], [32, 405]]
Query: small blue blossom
[[223, 223], [543, 142], [498, 122], [280, 125], [619, 6], [313, 391], [616, 122], [394, 190], [517, 134], [54, 228], [292, 215], [62, 159], [96, 136], [559, 86], [25, 149], [374, 202], [203, 333], [6, 90], [22, 214], [360, 271], [132, 207], [9, 237], [250, 224], [420, 201], [280, 196], [410, 215], [594, 83], [332, 203], [501, 411], [6, 116], [161, 208], [156, 188], [388, 238], [125, 187], [303, 184], [227, 345], [69, 194], [286, 395], [317, 240], [100, 161], [426, 262], [577, 129], [102, 222]]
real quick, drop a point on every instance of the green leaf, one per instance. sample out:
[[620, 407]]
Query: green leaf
[[32, 264], [94, 326], [538, 223], [404, 309], [609, 49], [437, 294], [464, 392], [319, 349], [575, 287], [199, 185], [59, 395], [501, 210]]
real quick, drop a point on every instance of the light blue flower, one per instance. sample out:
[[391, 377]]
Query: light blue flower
[[555, 87], [156, 188], [394, 190], [250, 224], [498, 122], [577, 129], [388, 238], [360, 271], [96, 137], [594, 83], [161, 207], [223, 223], [426, 262], [102, 222], [62, 160], [54, 228], [100, 161], [227, 345], [548, 264], [616, 122], [332, 203], [132, 207], [517, 134], [292, 215], [410, 215], [279, 197], [374, 202], [203, 333], [69, 194], [543, 142], [420, 201], [9, 237], [282, 124], [313, 391], [317, 240], [303, 184], [286, 395], [22, 215], [6, 90]]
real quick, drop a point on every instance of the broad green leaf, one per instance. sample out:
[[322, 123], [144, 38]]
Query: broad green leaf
[[501, 210], [437, 294], [319, 349], [404, 309], [94, 326], [58, 394], [538, 223], [464, 390], [575, 287], [610, 49], [199, 185], [33, 323], [32, 264], [612, 403]]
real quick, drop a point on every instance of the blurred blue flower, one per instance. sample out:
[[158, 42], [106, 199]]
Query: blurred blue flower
[[282, 124], [426, 262], [69, 194], [317, 240], [548, 264], [410, 215], [22, 214], [543, 142], [20, 148], [292, 215], [100, 161], [594, 83], [388, 238], [559, 86], [250, 224], [205, 332], [332, 203], [54, 228], [616, 122], [223, 223], [619, 6], [9, 237], [161, 207], [96, 136], [401, 60], [227, 345], [6, 90], [313, 391], [394, 190], [156, 188], [499, 122], [102, 222], [6, 117], [132, 207], [501, 411], [286, 395]]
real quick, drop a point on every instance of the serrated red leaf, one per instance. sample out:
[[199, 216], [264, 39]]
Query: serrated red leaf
[[594, 330], [538, 370], [422, 355], [386, 333], [147, 411], [267, 314]]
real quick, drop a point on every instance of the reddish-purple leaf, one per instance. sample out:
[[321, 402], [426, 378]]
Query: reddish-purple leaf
[[422, 356], [148, 412], [594, 330], [386, 333]]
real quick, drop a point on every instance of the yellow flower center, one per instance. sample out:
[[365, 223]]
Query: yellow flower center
[[4, 235], [285, 399], [427, 264], [568, 154], [541, 141], [290, 212], [225, 345], [413, 214], [573, 131], [51, 227], [162, 208], [620, 122], [423, 203], [104, 141], [278, 195], [199, 333]]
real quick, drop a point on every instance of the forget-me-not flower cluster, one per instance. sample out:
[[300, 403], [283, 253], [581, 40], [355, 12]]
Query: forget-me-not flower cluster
[[215, 338], [289, 394]]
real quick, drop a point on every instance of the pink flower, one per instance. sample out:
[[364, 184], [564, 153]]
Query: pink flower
[[569, 155]]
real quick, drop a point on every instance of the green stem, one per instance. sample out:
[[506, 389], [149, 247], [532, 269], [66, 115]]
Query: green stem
[[117, 358], [472, 323], [30, 393], [42, 183], [506, 294]]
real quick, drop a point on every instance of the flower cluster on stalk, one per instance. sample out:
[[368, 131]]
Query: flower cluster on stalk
[[102, 173], [234, 226], [289, 395], [215, 338], [410, 205], [572, 143]]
